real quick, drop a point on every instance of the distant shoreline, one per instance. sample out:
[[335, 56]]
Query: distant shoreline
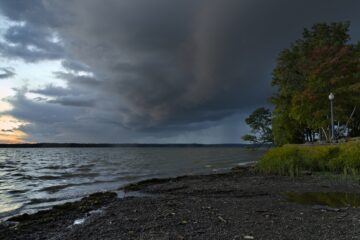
[[108, 145]]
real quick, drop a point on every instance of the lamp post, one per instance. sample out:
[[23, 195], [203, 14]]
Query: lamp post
[[331, 98]]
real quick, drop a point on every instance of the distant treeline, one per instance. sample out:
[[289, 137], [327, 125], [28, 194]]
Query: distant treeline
[[106, 145]]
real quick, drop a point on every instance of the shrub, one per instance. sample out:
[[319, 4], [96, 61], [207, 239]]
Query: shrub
[[283, 161], [293, 159], [348, 161]]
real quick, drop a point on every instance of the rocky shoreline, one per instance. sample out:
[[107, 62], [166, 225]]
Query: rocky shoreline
[[240, 204]]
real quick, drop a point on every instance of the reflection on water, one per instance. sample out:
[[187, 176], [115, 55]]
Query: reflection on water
[[31, 179], [7, 205], [332, 199]]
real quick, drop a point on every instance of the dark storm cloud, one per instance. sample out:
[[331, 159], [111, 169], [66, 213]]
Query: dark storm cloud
[[166, 65], [75, 66], [6, 73], [38, 112], [59, 123], [75, 96], [188, 61], [74, 101], [30, 43], [52, 91], [34, 11], [79, 81]]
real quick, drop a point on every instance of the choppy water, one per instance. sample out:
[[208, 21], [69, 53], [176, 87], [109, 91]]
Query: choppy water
[[34, 179]]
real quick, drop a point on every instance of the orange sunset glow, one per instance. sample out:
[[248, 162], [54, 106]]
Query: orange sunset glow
[[9, 132]]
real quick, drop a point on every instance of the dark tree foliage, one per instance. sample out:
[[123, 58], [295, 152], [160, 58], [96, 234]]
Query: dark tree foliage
[[260, 124], [322, 61]]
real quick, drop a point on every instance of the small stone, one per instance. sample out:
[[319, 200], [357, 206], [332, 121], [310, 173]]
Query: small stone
[[248, 237], [326, 208], [222, 219], [79, 221]]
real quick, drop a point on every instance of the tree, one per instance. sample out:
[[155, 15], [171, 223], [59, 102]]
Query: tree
[[260, 124], [322, 61]]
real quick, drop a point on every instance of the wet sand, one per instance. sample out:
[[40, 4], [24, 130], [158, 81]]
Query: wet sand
[[236, 205]]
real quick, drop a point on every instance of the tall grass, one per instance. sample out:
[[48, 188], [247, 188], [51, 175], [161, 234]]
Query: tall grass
[[292, 160]]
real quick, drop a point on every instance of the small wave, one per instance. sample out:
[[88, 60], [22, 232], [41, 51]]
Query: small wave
[[128, 177], [8, 168], [18, 191], [73, 175], [49, 177], [57, 188], [7, 209], [42, 200], [246, 163], [55, 167], [67, 175], [17, 175], [86, 167], [22, 176], [11, 163]]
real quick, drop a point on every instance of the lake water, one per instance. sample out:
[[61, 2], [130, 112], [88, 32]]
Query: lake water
[[38, 178]]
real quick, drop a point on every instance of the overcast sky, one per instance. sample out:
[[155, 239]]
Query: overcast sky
[[164, 71]]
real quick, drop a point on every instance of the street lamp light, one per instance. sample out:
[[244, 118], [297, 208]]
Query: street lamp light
[[331, 98]]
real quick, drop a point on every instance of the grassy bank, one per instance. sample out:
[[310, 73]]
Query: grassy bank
[[294, 159]]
